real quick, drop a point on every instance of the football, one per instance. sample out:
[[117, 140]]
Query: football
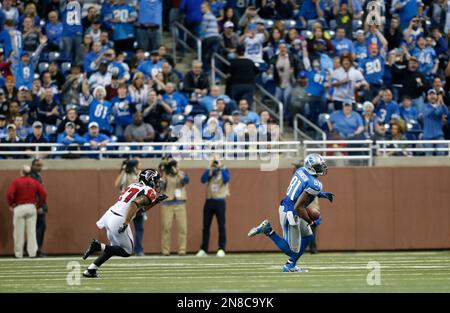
[[313, 213]]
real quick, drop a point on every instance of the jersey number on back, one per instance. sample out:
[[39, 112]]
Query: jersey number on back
[[127, 194]]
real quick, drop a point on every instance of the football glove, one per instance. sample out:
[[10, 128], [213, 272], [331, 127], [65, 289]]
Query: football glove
[[123, 228], [161, 198], [327, 195]]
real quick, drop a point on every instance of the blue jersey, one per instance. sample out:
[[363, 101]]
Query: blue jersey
[[54, 32], [149, 68], [116, 68], [216, 7], [122, 110], [71, 14], [123, 29], [342, 46], [360, 51], [301, 182], [100, 112], [316, 83], [150, 12], [373, 69], [427, 59], [387, 111]]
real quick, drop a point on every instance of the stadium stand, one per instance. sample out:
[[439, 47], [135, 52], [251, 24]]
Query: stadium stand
[[322, 72]]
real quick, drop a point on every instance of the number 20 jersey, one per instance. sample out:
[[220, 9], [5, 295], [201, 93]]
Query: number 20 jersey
[[301, 182], [129, 194]]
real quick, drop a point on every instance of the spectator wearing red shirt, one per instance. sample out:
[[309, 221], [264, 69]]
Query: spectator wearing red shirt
[[23, 201]]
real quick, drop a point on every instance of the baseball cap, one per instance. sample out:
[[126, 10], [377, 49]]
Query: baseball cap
[[373, 45], [11, 126], [189, 118], [154, 52], [359, 32], [23, 88], [297, 41], [432, 90], [37, 124], [70, 124], [301, 74], [2, 50], [228, 24], [2, 117], [93, 124], [348, 102], [260, 21], [236, 112]]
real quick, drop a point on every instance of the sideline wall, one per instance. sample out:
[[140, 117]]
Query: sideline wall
[[380, 208]]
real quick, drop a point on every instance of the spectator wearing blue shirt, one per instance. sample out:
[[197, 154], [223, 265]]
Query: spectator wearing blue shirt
[[428, 61], [123, 16], [100, 110], [151, 67], [406, 111], [434, 113], [10, 11], [246, 114], [341, 44], [70, 138], [148, 33], [72, 29], [209, 101], [53, 30], [360, 46], [105, 13], [95, 139], [122, 110], [347, 123], [312, 11], [24, 65], [386, 109], [372, 68], [193, 12], [210, 36], [91, 57], [176, 100], [316, 87], [212, 131]]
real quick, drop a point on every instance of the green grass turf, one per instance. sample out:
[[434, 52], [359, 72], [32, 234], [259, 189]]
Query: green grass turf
[[258, 272]]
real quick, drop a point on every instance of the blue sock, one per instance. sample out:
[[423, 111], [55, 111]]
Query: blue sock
[[282, 244], [305, 242]]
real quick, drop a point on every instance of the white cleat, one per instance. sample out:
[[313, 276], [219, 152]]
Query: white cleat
[[201, 253], [220, 253]]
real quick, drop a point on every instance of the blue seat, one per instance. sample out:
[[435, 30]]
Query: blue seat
[[65, 67], [54, 56], [42, 67]]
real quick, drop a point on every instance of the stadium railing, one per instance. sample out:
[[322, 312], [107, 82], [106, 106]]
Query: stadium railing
[[185, 33], [263, 93], [340, 149], [409, 147], [314, 127], [188, 149]]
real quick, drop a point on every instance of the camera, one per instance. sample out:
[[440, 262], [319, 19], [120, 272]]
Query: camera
[[215, 164]]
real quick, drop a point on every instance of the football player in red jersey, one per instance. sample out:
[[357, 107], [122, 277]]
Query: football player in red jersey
[[138, 196]]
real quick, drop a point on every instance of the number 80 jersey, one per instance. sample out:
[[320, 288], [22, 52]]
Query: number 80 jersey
[[301, 182], [129, 194]]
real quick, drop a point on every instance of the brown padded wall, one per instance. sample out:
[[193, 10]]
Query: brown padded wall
[[375, 209]]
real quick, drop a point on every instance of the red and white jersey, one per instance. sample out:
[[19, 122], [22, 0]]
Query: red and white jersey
[[129, 194]]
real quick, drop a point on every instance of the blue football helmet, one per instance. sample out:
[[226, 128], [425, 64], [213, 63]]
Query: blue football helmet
[[315, 165]]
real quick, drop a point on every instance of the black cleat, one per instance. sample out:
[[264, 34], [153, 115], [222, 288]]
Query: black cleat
[[95, 246], [90, 273]]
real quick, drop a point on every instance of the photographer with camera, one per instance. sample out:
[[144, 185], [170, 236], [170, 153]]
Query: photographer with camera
[[173, 184], [129, 173], [216, 177]]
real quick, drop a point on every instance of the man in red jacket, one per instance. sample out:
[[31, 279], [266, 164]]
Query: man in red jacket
[[22, 199]]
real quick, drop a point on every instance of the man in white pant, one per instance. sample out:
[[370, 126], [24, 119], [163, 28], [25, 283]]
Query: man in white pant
[[23, 202]]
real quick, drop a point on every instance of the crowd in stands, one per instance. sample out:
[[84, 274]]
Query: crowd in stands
[[92, 72]]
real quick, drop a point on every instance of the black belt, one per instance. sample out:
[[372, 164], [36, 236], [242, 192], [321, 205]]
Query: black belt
[[115, 213]]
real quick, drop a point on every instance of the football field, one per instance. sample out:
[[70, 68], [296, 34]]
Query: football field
[[257, 272]]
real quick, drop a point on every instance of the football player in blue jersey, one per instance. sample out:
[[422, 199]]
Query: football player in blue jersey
[[294, 219]]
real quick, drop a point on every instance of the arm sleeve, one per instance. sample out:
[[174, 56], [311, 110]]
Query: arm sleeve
[[10, 194], [185, 179], [225, 175], [205, 177], [42, 193]]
